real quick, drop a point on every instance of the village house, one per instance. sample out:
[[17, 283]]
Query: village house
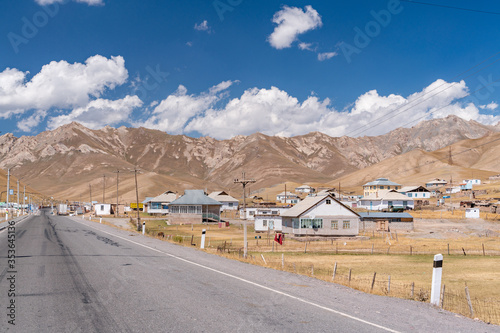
[[436, 183], [287, 198], [304, 189], [381, 184], [267, 222], [415, 192], [227, 201], [386, 200], [194, 207], [159, 204], [320, 215], [472, 213], [256, 211], [379, 221]]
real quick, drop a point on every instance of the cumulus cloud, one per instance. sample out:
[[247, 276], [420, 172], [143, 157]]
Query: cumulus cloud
[[89, 2], [26, 125], [326, 55], [59, 85], [99, 113], [172, 114], [203, 26], [292, 22], [306, 46], [492, 106], [275, 112]]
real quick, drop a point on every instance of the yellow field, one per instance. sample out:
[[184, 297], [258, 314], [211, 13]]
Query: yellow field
[[408, 262]]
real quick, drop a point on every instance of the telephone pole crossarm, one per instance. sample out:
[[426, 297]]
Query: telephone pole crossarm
[[244, 183]]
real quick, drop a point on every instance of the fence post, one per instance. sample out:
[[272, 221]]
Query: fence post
[[389, 285], [372, 247], [388, 250], [373, 281], [483, 250], [312, 270], [442, 297], [334, 271], [413, 290], [305, 248], [437, 273], [411, 250], [350, 271], [263, 259], [468, 301], [337, 248], [282, 261], [448, 248]]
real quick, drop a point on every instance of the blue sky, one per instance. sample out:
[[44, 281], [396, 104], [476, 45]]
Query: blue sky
[[235, 67]]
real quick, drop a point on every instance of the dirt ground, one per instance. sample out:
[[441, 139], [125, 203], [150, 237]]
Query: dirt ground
[[454, 228]]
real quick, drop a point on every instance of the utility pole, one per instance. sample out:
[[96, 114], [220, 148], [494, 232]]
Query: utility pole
[[90, 189], [244, 182], [8, 190], [117, 173], [24, 198], [137, 199], [103, 188]]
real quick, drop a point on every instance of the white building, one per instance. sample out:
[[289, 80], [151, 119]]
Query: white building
[[227, 201], [255, 211], [103, 209], [386, 200], [472, 213], [304, 189], [159, 205], [287, 198], [264, 223], [472, 181], [415, 192], [436, 183], [320, 216]]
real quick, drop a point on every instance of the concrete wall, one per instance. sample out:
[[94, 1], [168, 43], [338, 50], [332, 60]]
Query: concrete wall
[[185, 219], [259, 223], [393, 226]]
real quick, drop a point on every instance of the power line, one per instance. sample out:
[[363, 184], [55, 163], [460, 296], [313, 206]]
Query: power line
[[451, 7], [420, 99]]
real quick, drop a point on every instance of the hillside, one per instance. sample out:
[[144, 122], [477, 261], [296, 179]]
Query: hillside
[[65, 161]]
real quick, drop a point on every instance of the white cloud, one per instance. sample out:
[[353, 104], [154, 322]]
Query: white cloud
[[59, 85], [89, 2], [26, 125], [172, 114], [274, 112], [492, 106], [326, 55], [99, 113], [291, 22], [203, 26], [306, 46]]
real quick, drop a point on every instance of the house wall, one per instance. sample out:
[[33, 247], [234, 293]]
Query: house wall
[[472, 213], [229, 205], [327, 229], [259, 223], [380, 205], [418, 195], [185, 219], [393, 226]]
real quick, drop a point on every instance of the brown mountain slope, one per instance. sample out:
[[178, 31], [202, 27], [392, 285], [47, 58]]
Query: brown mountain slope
[[63, 162]]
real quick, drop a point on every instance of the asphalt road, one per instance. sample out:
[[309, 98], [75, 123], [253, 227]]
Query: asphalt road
[[73, 275]]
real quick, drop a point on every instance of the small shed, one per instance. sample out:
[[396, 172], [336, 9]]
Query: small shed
[[103, 209], [269, 222], [472, 213], [386, 221]]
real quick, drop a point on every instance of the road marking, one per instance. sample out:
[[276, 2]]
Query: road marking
[[249, 282], [7, 226]]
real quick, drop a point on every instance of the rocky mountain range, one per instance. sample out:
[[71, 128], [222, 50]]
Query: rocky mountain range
[[72, 161]]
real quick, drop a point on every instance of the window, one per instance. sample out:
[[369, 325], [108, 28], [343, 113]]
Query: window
[[346, 225], [252, 213], [335, 225], [230, 204], [274, 212], [405, 203], [311, 223], [328, 201], [410, 194], [102, 207], [296, 223], [381, 187], [264, 223], [389, 203]]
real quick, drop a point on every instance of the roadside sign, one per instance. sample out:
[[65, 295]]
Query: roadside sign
[[446, 197], [11, 192]]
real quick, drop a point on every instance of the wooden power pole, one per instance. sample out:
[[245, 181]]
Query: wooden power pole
[[116, 210], [244, 182]]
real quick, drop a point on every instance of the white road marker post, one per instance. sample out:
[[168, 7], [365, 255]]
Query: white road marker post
[[100, 220], [143, 227], [203, 232], [437, 273]]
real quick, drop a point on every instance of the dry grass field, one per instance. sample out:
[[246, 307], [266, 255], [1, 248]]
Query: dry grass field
[[403, 258]]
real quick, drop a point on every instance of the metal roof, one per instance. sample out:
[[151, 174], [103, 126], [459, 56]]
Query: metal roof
[[222, 196], [385, 215], [195, 197], [310, 202], [387, 195], [382, 182]]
